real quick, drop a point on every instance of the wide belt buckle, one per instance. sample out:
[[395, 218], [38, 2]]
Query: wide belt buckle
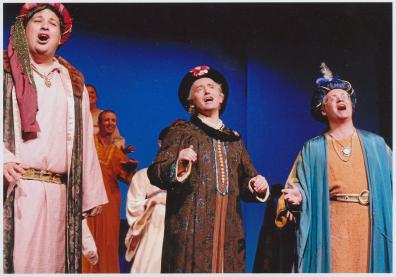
[[364, 197]]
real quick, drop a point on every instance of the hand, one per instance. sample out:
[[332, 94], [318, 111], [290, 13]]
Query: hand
[[12, 172], [188, 154], [259, 184], [92, 257], [290, 216], [128, 149], [292, 194], [129, 165], [96, 211]]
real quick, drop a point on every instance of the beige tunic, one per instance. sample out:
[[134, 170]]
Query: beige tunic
[[350, 222], [40, 207], [144, 198]]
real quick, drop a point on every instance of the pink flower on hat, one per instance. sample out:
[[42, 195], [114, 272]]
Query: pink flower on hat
[[200, 70]]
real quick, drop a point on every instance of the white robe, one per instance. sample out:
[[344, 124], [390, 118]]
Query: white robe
[[146, 217]]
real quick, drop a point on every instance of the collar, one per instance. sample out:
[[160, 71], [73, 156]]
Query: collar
[[46, 72], [218, 126], [225, 134], [55, 66]]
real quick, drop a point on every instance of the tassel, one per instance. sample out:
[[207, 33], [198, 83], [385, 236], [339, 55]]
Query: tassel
[[22, 49]]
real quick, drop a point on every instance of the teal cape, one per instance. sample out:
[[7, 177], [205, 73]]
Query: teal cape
[[313, 234]]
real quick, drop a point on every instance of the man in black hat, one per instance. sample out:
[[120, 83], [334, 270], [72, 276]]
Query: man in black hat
[[205, 169], [342, 184]]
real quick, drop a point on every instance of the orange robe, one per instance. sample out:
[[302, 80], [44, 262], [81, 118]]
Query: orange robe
[[105, 227], [349, 222]]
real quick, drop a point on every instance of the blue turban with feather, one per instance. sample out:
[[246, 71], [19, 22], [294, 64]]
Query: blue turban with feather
[[323, 86]]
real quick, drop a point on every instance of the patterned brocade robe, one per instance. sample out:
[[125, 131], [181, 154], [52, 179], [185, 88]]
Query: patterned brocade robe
[[201, 225]]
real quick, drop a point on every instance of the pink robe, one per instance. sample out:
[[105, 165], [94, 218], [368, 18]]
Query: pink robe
[[146, 218], [40, 207]]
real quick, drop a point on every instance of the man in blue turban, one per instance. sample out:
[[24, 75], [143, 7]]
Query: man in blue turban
[[340, 190]]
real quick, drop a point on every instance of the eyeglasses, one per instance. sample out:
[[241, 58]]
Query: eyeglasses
[[336, 97]]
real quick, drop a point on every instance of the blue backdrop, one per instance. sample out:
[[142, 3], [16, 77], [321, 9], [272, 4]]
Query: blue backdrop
[[136, 55]]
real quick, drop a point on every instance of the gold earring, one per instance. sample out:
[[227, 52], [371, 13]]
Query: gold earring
[[191, 109]]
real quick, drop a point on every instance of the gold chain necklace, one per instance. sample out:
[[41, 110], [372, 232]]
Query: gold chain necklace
[[346, 151], [47, 77]]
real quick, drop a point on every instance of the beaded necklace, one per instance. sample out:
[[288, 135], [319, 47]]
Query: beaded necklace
[[217, 147]]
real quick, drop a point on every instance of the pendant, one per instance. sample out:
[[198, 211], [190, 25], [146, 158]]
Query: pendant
[[346, 151], [47, 82]]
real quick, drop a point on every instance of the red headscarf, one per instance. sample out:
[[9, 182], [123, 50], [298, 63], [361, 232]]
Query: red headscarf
[[67, 19], [26, 93]]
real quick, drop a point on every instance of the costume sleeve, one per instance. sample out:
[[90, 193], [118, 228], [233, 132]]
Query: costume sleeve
[[10, 127], [9, 104], [136, 197], [138, 212], [118, 140], [9, 157], [389, 153], [88, 248], [94, 193], [166, 172], [246, 172], [280, 218]]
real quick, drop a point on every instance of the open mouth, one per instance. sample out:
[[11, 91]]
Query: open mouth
[[43, 38], [341, 107], [208, 99]]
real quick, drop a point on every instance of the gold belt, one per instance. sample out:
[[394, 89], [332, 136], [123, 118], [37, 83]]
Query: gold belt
[[361, 198], [44, 176]]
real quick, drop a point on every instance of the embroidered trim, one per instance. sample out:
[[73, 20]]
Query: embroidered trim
[[76, 77], [172, 173], [226, 164], [222, 193]]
